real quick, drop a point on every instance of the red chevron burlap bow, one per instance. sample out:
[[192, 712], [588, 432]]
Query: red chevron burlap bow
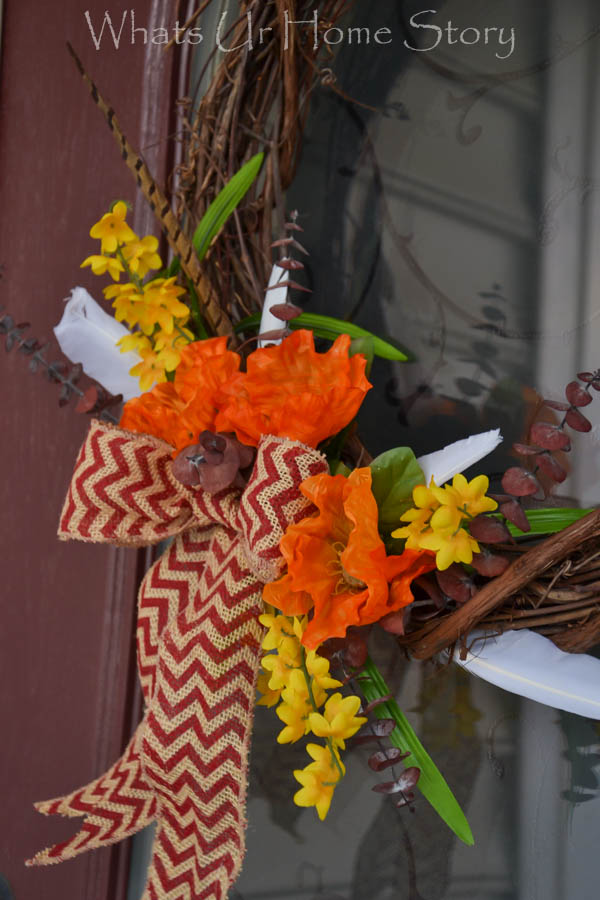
[[198, 640]]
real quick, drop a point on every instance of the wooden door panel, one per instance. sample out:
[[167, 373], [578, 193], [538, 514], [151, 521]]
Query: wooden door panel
[[67, 656]]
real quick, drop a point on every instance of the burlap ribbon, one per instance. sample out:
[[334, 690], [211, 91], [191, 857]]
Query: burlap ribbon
[[198, 639]]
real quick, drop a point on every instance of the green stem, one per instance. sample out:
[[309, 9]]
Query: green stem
[[196, 314], [132, 277], [182, 332], [311, 697]]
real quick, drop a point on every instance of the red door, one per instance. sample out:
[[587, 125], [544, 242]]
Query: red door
[[67, 657]]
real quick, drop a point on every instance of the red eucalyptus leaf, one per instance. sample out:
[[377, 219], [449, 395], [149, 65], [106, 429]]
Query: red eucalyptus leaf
[[430, 586], [65, 395], [75, 373], [525, 449], [383, 759], [557, 404], [586, 376], [374, 703], [395, 622], [355, 651], [514, 512], [88, 402], [406, 782], [596, 385], [489, 564], [290, 284], [489, 530], [212, 441], [550, 467], [577, 421], [290, 265], [382, 728], [550, 437], [286, 311], [520, 483], [576, 395], [456, 583], [276, 335]]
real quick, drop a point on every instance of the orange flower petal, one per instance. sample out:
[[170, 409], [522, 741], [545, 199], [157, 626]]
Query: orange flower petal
[[292, 391], [178, 411], [337, 562]]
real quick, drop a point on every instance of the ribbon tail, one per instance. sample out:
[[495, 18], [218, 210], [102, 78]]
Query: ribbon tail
[[196, 743], [115, 806]]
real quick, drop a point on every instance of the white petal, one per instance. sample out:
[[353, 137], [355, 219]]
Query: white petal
[[88, 335], [268, 321], [530, 665], [445, 464]]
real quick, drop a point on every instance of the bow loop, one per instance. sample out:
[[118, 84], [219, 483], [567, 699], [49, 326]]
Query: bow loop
[[272, 500], [123, 492]]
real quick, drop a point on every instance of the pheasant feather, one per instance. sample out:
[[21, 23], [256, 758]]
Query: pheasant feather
[[179, 243]]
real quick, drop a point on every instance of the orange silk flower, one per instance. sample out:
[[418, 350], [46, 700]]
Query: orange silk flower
[[337, 564], [178, 411], [292, 391]]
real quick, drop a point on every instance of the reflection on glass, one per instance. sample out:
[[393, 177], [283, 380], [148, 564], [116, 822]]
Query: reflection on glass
[[454, 207]]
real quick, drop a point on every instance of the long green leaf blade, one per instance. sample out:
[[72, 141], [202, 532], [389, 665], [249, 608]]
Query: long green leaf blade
[[548, 521], [330, 328], [224, 204], [431, 783]]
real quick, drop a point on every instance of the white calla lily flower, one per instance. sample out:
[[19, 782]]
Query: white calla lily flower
[[89, 336]]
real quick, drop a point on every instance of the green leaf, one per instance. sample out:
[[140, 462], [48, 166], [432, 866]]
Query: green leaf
[[431, 783], [199, 326], [548, 521], [330, 328], [395, 473], [365, 346], [224, 204], [340, 468]]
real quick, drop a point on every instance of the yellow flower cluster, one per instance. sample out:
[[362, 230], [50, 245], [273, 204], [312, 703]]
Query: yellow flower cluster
[[153, 309], [440, 514], [298, 680]]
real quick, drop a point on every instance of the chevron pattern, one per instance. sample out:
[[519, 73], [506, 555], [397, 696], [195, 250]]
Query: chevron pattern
[[195, 746], [123, 492], [272, 500], [115, 806], [168, 588], [198, 652]]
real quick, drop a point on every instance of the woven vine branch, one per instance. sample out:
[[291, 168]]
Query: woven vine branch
[[255, 101]]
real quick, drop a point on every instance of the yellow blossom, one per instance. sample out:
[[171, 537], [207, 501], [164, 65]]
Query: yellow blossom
[[268, 697], [294, 712], [318, 779], [318, 668], [141, 255], [298, 684], [135, 341], [169, 346], [164, 293], [280, 664], [457, 546], [438, 518], [112, 229], [339, 720], [126, 302], [102, 264], [467, 496], [149, 370], [278, 629]]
